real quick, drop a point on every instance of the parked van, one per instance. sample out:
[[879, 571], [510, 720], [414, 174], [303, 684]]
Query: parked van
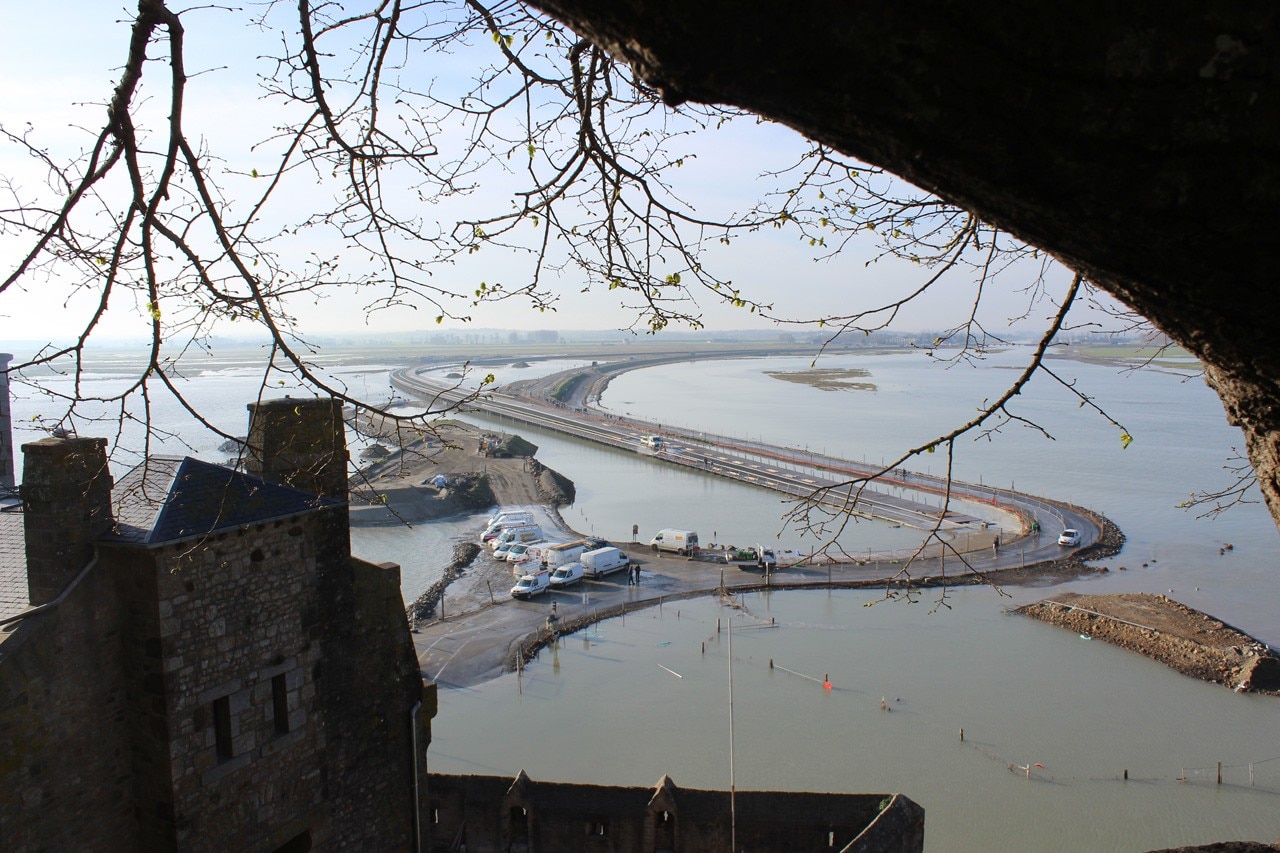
[[522, 515], [503, 550], [524, 533], [504, 522], [565, 552], [518, 552], [567, 575], [602, 561], [531, 585], [683, 542]]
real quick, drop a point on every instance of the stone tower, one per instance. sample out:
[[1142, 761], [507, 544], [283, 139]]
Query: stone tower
[[66, 496], [299, 442]]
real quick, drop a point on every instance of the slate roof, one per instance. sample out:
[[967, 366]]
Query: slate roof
[[164, 499], [167, 499]]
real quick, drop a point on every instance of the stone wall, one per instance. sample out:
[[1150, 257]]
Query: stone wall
[[7, 478], [497, 814], [63, 754], [229, 646], [374, 792]]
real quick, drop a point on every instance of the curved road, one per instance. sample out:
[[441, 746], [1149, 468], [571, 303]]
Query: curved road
[[479, 636], [802, 475]]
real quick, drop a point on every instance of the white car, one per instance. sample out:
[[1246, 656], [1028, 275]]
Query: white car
[[1070, 538]]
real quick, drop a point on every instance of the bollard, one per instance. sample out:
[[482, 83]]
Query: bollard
[[490, 585], [1126, 774], [1219, 772], [962, 734], [770, 663]]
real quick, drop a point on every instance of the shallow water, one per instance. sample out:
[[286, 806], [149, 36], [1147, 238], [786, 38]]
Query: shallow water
[[633, 699], [1024, 692]]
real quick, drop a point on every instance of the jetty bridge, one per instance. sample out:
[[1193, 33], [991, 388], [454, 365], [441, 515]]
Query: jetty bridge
[[821, 480]]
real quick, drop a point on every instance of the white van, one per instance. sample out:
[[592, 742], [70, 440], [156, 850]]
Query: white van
[[504, 523], [683, 542], [513, 535], [602, 561], [565, 552], [566, 575], [531, 585], [503, 551], [518, 552], [523, 515]]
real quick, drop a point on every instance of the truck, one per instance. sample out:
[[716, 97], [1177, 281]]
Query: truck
[[532, 584], [683, 542], [603, 561], [759, 557]]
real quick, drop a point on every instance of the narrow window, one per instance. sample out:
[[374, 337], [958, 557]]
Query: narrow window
[[222, 727], [280, 703]]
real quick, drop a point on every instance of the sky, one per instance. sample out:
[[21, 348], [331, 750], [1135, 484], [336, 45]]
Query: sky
[[56, 79]]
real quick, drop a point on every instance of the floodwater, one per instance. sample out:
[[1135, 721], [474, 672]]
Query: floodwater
[[631, 700], [634, 699]]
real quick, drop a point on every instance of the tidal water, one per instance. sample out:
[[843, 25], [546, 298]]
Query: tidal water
[[631, 700]]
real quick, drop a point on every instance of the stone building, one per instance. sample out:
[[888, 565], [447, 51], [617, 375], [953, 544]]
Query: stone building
[[487, 814], [196, 662]]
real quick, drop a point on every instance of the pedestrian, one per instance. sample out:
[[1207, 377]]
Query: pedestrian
[[637, 574], [631, 574]]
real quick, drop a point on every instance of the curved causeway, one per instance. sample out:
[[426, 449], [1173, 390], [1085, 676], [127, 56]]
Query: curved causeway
[[480, 637]]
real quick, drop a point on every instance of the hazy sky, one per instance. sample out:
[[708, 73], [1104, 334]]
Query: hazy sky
[[57, 78]]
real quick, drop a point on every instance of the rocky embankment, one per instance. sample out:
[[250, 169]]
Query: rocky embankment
[[1194, 643], [464, 554]]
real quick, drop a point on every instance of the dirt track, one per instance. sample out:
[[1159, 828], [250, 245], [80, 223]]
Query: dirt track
[[399, 488], [1191, 642]]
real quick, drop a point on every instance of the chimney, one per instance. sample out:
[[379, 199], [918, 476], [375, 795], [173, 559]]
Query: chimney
[[300, 442], [66, 496], [7, 481]]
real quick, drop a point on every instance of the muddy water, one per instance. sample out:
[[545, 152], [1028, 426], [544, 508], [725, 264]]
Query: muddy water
[[636, 698], [608, 708]]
